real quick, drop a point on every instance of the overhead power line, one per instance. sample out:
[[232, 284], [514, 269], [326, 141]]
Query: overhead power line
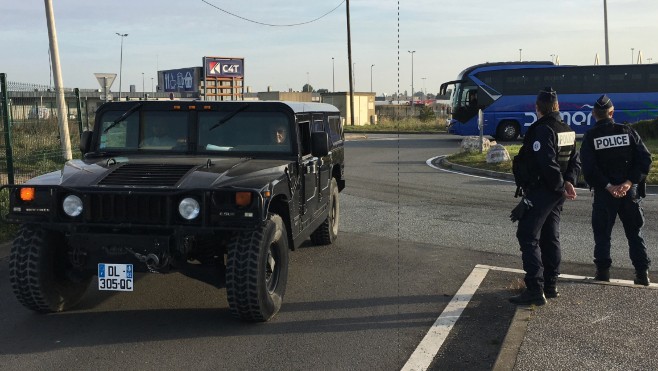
[[270, 24]]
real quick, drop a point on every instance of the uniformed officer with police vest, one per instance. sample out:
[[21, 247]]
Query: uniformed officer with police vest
[[615, 165], [551, 159]]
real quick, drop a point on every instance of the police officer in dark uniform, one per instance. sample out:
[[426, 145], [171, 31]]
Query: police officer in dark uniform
[[615, 164], [554, 165]]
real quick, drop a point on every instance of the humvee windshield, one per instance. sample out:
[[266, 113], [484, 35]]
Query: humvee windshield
[[168, 130]]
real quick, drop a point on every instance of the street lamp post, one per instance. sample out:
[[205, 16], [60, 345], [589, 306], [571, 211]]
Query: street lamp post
[[122, 35], [354, 74], [143, 90], [424, 93], [632, 54], [333, 76], [371, 66], [605, 28], [520, 55], [412, 79], [151, 86]]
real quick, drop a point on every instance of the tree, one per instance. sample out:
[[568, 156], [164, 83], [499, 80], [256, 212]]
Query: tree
[[307, 88], [426, 114], [321, 91]]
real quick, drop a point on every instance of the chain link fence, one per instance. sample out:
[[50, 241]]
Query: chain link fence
[[30, 143]]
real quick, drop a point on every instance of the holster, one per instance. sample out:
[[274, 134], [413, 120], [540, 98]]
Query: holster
[[520, 210]]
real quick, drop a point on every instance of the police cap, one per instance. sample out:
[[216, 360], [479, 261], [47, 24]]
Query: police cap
[[603, 102], [547, 95]]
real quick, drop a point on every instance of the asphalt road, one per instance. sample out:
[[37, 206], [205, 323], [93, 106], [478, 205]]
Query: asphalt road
[[410, 235]]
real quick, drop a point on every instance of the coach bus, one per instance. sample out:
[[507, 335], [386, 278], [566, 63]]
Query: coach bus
[[506, 93]]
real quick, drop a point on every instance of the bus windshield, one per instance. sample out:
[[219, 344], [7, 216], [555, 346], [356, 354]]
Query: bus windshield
[[506, 93]]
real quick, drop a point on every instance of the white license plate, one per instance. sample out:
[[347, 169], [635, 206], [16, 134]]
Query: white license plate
[[115, 277]]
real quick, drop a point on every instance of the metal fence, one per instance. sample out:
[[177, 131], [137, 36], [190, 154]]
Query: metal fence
[[30, 140]]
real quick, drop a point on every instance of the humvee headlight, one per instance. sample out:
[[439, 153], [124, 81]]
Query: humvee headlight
[[72, 205], [189, 208]]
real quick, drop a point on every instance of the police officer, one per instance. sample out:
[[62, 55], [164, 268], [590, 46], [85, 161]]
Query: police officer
[[554, 164], [615, 162]]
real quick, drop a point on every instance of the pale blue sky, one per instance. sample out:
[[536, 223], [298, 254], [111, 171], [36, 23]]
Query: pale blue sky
[[447, 36]]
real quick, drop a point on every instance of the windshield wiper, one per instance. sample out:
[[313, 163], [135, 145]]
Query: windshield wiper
[[230, 116], [123, 117]]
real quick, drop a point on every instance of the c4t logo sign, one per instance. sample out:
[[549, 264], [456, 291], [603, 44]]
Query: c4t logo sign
[[224, 68]]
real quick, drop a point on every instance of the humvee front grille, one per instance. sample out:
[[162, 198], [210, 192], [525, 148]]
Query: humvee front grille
[[127, 208], [154, 175]]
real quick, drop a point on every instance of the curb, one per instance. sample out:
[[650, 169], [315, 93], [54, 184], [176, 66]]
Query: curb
[[509, 351], [443, 162], [471, 170]]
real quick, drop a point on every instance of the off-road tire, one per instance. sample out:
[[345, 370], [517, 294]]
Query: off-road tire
[[255, 287], [327, 232], [40, 273]]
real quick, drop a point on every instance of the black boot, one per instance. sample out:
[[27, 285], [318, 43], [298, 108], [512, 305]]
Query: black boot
[[550, 287], [642, 277], [528, 297], [550, 292], [602, 274]]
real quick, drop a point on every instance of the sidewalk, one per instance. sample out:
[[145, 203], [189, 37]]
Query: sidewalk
[[591, 326]]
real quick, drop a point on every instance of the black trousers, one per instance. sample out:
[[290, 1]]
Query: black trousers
[[604, 213], [539, 238]]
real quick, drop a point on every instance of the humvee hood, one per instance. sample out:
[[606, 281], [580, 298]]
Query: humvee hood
[[177, 172]]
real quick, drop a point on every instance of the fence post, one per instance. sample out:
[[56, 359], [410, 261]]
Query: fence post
[[7, 127], [78, 104]]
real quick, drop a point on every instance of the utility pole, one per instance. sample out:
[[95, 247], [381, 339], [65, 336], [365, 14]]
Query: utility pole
[[349, 61], [333, 76], [62, 120]]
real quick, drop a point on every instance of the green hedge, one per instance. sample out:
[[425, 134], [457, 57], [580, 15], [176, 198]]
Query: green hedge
[[647, 129]]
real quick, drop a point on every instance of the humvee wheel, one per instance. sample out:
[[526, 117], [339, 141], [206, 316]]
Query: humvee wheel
[[327, 232], [40, 273], [257, 271]]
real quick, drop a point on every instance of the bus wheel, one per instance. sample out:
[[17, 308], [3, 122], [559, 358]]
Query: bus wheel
[[507, 130]]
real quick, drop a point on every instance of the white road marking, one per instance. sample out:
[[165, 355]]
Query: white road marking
[[430, 164], [428, 348]]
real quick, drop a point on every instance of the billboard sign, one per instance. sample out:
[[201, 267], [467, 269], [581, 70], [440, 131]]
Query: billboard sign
[[179, 80], [223, 67]]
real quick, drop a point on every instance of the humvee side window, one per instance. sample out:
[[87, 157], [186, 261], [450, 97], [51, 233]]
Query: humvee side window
[[335, 128], [305, 137]]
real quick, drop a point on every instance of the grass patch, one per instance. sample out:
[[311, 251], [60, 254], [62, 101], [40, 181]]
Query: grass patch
[[407, 125], [478, 160]]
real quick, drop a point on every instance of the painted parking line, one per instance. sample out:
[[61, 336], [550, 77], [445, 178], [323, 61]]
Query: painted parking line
[[428, 348]]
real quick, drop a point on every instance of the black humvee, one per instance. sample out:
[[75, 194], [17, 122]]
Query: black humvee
[[219, 191]]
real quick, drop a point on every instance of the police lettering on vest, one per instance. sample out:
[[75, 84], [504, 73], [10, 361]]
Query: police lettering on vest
[[611, 141]]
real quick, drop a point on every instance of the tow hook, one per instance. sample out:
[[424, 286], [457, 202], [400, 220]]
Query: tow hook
[[152, 261]]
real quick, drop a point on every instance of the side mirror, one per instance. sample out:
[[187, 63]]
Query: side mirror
[[85, 141], [319, 144]]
